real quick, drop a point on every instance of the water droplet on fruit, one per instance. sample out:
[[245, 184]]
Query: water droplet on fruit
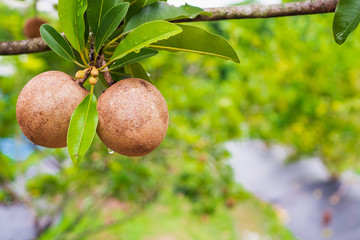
[[110, 151]]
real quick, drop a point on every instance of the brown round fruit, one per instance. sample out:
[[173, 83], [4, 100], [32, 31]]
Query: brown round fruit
[[133, 117], [32, 27], [45, 106]]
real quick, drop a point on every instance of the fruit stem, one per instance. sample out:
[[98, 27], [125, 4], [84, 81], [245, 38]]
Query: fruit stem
[[106, 73], [108, 79]]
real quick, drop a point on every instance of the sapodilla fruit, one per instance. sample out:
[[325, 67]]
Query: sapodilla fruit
[[133, 117], [45, 106], [32, 27]]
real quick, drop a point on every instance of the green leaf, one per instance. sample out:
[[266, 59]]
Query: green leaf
[[163, 11], [346, 19], [82, 128], [116, 33], [97, 10], [71, 14], [197, 40], [133, 57], [117, 76], [56, 42], [87, 31], [103, 84], [135, 7], [143, 36], [136, 70], [109, 23]]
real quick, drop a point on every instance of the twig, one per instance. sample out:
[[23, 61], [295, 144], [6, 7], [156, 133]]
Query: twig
[[24, 46], [107, 75]]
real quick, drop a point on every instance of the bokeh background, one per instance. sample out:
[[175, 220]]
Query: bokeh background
[[290, 107]]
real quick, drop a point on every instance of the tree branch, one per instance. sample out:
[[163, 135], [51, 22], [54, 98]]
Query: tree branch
[[223, 13], [267, 11], [25, 46], [106, 73]]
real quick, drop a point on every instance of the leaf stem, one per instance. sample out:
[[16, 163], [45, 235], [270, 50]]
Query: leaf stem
[[79, 64], [115, 39], [95, 58], [131, 71], [83, 59], [104, 66]]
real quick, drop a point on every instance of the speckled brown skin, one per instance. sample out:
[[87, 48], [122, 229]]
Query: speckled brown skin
[[133, 117], [45, 106], [32, 27]]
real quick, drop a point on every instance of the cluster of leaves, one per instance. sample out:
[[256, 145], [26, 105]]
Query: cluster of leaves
[[124, 32], [43, 185]]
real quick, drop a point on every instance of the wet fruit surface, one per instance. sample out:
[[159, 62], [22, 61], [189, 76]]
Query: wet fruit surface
[[133, 117]]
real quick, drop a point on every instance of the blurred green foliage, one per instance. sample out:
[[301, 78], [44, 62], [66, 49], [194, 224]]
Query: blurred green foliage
[[43, 185], [299, 88]]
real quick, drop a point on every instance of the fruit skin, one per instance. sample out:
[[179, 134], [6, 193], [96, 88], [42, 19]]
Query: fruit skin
[[32, 27], [133, 117], [45, 106]]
